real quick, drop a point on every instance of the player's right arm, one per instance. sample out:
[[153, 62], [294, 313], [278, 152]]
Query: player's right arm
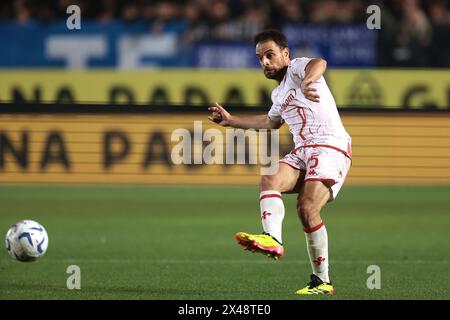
[[223, 118]]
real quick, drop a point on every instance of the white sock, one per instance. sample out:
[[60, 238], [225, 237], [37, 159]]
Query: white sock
[[317, 243], [272, 213]]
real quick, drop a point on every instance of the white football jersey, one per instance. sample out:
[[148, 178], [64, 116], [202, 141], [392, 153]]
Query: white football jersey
[[310, 123]]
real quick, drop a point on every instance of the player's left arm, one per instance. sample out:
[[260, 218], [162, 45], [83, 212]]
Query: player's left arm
[[313, 71]]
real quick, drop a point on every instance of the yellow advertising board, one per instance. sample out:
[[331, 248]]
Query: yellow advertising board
[[408, 89], [119, 148]]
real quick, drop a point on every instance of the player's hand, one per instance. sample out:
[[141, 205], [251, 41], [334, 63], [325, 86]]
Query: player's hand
[[309, 92], [219, 115]]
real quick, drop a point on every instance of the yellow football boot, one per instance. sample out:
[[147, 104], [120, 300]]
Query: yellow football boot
[[316, 287], [263, 243]]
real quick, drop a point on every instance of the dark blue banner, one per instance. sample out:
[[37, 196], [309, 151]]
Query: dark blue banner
[[112, 45], [132, 46], [341, 46]]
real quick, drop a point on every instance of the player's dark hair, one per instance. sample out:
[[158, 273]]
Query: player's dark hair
[[271, 34]]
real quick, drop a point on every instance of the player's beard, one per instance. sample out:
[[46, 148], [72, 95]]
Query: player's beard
[[276, 74]]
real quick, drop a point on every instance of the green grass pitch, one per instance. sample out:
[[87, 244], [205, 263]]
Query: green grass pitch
[[136, 242]]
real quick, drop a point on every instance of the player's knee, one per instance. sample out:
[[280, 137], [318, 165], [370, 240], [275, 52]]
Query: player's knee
[[270, 182], [308, 213], [305, 209]]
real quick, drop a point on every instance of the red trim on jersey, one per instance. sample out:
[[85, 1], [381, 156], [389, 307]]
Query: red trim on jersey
[[301, 113], [271, 195], [349, 150], [322, 180], [326, 146], [313, 228]]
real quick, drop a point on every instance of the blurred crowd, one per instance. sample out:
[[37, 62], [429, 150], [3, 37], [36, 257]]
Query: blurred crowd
[[414, 33]]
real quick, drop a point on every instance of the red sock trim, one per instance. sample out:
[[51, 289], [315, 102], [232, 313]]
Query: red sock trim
[[271, 195], [313, 228]]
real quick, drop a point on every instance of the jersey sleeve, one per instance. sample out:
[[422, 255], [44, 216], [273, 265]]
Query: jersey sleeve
[[299, 65], [275, 113]]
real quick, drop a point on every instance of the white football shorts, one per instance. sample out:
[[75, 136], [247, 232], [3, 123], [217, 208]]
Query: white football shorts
[[321, 163]]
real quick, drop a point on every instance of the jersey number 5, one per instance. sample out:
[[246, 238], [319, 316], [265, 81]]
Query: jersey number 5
[[316, 161]]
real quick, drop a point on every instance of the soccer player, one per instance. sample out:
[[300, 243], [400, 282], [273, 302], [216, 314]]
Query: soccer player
[[315, 168]]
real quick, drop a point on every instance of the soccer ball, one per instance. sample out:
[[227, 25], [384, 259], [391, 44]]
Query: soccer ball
[[26, 241]]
